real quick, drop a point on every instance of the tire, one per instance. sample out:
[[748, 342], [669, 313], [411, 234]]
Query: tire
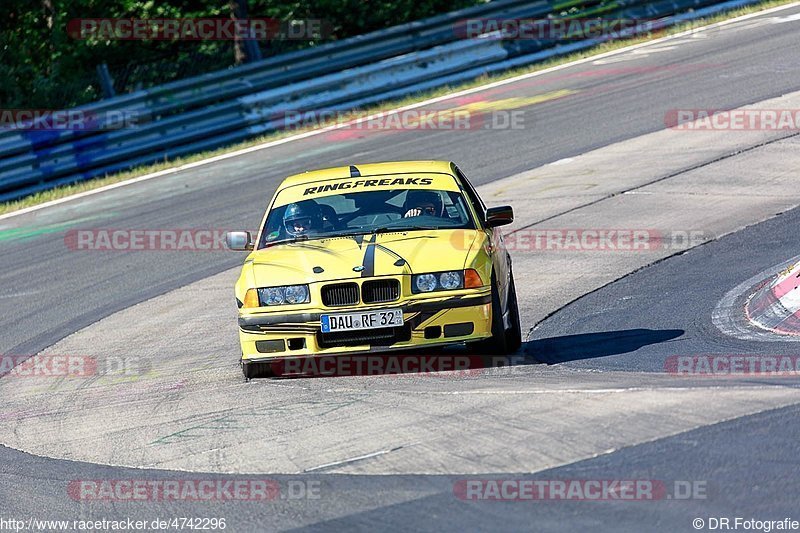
[[502, 341], [514, 334]]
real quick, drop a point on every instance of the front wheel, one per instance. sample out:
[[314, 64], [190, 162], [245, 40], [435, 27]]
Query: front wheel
[[503, 341], [514, 333]]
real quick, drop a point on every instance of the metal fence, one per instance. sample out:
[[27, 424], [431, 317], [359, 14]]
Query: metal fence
[[228, 106]]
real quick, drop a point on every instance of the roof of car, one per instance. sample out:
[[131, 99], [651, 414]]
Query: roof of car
[[370, 169]]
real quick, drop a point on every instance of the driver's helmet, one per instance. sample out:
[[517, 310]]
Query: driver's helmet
[[429, 202], [302, 217]]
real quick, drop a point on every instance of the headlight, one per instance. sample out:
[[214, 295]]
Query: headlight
[[272, 296], [292, 294], [296, 294], [450, 280], [424, 283], [441, 281]]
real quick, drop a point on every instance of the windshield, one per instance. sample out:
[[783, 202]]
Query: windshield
[[366, 212]]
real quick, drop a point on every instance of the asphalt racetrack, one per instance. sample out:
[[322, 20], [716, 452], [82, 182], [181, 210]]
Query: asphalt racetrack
[[593, 394]]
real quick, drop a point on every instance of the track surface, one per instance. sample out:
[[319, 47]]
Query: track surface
[[608, 326], [613, 101], [616, 100], [748, 464]]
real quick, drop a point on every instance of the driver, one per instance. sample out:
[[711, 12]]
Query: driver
[[302, 218], [423, 203]]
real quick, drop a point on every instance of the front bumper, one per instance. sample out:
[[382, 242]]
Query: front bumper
[[433, 321]]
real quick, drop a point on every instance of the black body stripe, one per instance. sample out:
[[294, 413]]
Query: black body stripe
[[369, 260], [401, 261]]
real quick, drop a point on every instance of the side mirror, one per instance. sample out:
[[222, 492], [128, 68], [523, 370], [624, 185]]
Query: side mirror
[[239, 240], [499, 216]]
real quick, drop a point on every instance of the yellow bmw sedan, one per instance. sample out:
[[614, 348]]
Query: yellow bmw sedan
[[375, 258]]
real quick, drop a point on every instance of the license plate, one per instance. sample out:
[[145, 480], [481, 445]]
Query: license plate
[[385, 318]]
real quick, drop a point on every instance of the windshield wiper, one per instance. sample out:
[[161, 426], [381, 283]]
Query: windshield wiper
[[382, 229], [390, 229], [287, 241]]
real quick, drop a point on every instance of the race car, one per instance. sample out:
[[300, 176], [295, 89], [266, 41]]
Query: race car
[[375, 258]]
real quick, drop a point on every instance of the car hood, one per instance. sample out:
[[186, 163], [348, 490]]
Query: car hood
[[362, 256]]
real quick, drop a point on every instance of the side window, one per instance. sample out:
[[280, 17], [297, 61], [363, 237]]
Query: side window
[[273, 227], [474, 199]]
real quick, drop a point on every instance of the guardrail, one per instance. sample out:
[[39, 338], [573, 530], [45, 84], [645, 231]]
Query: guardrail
[[292, 67], [225, 107]]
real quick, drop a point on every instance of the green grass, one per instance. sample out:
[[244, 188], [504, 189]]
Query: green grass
[[67, 190]]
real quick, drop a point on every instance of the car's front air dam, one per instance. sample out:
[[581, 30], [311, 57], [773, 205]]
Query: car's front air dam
[[276, 340]]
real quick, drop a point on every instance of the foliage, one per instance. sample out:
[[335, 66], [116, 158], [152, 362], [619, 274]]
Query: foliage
[[42, 66]]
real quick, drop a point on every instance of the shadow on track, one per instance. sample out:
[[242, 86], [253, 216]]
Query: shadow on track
[[550, 351], [554, 350]]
